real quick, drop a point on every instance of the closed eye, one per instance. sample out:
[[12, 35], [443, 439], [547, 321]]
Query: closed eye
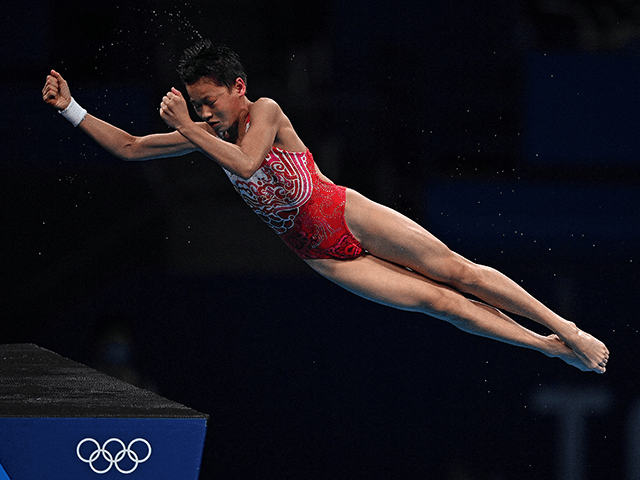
[[198, 106]]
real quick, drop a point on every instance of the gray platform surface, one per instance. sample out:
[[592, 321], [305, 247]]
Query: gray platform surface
[[35, 382]]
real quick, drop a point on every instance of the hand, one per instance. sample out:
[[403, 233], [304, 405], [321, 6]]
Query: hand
[[174, 110], [56, 91]]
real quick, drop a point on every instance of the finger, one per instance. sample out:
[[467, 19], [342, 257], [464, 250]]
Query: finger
[[176, 92], [49, 92], [57, 76], [49, 83]]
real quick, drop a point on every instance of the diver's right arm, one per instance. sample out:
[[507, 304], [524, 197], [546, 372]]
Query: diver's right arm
[[116, 141], [128, 147]]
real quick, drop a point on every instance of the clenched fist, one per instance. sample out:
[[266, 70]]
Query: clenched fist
[[174, 110], [56, 91]]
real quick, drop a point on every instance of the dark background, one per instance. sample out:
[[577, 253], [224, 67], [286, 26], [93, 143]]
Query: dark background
[[509, 129]]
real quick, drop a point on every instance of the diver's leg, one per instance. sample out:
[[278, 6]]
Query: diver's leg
[[390, 235], [390, 284]]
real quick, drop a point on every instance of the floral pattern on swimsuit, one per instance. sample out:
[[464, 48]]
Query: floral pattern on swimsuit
[[307, 213]]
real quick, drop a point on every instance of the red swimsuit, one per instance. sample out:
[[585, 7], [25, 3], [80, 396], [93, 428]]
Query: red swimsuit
[[307, 212]]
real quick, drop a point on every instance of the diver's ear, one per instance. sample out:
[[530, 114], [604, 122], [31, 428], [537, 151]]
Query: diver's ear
[[240, 87]]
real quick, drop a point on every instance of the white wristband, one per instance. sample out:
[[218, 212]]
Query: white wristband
[[74, 113]]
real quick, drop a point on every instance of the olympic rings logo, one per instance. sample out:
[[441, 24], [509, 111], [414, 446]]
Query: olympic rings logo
[[111, 459]]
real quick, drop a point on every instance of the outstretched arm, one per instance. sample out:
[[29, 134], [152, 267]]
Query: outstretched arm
[[119, 143]]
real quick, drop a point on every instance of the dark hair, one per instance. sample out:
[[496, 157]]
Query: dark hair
[[218, 62]]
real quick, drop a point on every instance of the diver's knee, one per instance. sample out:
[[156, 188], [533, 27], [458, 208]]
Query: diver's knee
[[465, 275], [440, 303]]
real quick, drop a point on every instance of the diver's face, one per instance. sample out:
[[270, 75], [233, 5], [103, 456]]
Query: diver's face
[[216, 104]]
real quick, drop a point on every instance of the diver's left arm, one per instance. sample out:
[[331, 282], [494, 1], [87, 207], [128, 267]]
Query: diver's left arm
[[244, 159]]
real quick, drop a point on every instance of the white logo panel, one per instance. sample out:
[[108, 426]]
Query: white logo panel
[[111, 457]]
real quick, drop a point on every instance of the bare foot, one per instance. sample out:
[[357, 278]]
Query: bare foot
[[591, 351], [556, 348]]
